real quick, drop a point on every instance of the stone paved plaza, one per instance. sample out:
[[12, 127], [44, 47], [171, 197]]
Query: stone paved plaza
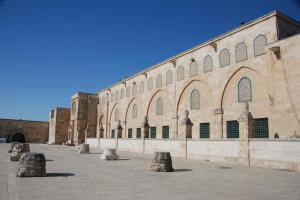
[[74, 176]]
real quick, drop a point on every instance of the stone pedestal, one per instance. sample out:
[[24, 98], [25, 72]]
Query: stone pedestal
[[186, 126], [162, 162], [17, 150], [246, 132], [12, 144], [31, 165], [84, 149], [109, 154], [145, 128]]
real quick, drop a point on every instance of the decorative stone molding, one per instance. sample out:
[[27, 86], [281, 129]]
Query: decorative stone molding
[[218, 111], [277, 52], [214, 46]]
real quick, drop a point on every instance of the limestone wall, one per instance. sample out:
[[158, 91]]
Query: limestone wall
[[263, 153], [34, 131]]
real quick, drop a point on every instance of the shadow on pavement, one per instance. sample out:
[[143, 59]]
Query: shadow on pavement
[[59, 174], [182, 170]]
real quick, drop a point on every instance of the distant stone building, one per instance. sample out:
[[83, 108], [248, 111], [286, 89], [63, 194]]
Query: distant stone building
[[233, 98], [24, 130], [58, 125]]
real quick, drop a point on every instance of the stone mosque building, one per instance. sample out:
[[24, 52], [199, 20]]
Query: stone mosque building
[[234, 98]]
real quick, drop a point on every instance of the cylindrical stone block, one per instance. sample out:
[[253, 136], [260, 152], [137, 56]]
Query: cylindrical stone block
[[31, 165], [18, 149], [162, 162], [84, 149], [109, 154]]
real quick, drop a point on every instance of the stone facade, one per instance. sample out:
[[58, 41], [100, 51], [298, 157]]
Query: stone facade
[[242, 67], [59, 119], [29, 131], [239, 86]]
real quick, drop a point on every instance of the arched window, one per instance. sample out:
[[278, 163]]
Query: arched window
[[195, 100], [180, 73], [112, 97], [150, 83], [158, 81], [159, 107], [134, 111], [128, 91], [259, 45], [244, 90], [240, 52], [224, 58], [122, 94], [207, 64], [116, 115], [141, 88], [117, 96], [134, 89], [193, 69], [169, 77]]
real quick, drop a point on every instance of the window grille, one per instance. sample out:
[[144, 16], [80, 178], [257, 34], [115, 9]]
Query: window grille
[[204, 130], [233, 130], [261, 128], [112, 133], [259, 45], [207, 64], [138, 133], [180, 73], [224, 58], [153, 132], [165, 132], [130, 133], [193, 69]]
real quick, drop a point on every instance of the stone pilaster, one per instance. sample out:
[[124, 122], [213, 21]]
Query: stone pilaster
[[218, 124], [246, 130]]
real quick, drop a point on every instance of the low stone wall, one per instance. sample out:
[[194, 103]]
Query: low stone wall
[[283, 154]]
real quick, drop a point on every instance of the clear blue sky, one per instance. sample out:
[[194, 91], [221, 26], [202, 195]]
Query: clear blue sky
[[50, 49]]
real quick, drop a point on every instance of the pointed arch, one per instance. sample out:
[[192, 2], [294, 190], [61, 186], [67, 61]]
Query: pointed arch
[[111, 112], [151, 99], [127, 108]]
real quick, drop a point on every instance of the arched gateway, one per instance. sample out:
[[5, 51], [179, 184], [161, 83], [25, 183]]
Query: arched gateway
[[17, 136]]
